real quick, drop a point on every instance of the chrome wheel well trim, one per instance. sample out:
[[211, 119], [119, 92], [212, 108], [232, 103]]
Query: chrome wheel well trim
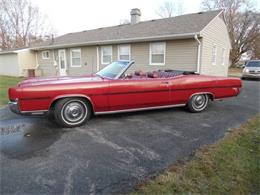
[[33, 111], [71, 96], [203, 93]]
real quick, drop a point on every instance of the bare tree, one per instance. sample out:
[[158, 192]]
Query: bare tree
[[243, 24], [170, 9], [21, 24], [256, 48]]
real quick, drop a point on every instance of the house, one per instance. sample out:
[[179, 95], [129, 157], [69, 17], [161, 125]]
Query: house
[[18, 62], [194, 42]]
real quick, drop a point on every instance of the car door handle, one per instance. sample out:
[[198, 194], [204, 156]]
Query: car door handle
[[165, 82]]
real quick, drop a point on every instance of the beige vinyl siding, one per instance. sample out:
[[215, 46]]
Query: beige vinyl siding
[[88, 61], [46, 66], [215, 34], [114, 53], [140, 54], [27, 60], [9, 65], [18, 63], [180, 55]]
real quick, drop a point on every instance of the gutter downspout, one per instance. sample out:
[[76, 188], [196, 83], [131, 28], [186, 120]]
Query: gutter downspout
[[36, 60], [97, 58], [199, 53]]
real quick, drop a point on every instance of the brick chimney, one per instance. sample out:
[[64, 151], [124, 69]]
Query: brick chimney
[[135, 15]]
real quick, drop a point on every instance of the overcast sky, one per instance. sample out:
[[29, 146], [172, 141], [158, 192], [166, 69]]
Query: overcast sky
[[77, 15]]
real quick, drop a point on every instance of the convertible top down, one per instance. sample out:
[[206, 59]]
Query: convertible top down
[[73, 100]]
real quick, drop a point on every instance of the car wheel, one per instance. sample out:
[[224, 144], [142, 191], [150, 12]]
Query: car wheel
[[198, 103], [72, 112]]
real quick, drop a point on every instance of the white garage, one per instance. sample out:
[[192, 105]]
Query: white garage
[[17, 63]]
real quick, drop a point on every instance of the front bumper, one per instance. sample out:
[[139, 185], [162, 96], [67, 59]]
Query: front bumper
[[250, 75], [14, 107]]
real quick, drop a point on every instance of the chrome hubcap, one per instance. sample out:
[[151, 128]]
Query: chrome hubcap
[[74, 112], [199, 101]]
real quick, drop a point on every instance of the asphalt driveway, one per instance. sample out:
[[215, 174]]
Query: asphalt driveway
[[111, 153]]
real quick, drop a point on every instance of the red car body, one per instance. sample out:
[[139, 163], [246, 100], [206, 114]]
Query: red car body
[[36, 95], [105, 95]]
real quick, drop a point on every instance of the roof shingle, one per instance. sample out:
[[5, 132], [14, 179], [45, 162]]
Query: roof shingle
[[184, 24]]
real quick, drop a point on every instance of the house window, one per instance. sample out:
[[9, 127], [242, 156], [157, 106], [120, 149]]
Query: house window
[[223, 56], [106, 54], [75, 57], [214, 55], [124, 52], [45, 55], [157, 53]]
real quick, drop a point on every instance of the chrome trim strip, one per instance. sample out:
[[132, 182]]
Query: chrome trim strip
[[139, 109], [71, 95], [34, 112]]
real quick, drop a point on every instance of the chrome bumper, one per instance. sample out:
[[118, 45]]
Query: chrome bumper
[[250, 75], [14, 107]]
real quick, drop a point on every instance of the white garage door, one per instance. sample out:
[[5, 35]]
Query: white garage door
[[9, 65]]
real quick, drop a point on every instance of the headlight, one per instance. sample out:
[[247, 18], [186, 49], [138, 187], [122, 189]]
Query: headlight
[[246, 70]]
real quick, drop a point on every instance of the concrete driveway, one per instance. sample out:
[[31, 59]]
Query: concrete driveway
[[111, 153]]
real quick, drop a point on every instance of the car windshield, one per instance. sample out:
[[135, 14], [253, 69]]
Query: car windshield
[[114, 70], [253, 64]]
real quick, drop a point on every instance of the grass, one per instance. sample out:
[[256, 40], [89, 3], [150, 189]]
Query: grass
[[235, 72], [5, 83], [230, 166]]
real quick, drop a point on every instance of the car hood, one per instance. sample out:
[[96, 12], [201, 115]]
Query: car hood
[[59, 80]]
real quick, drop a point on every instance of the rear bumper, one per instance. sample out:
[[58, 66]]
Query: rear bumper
[[14, 107]]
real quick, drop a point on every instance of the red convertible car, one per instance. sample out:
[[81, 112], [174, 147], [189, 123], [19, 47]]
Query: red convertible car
[[73, 100]]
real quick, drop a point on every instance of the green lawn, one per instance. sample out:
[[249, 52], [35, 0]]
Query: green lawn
[[230, 166], [5, 83]]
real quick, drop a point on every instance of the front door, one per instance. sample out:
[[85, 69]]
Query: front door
[[140, 93], [62, 62]]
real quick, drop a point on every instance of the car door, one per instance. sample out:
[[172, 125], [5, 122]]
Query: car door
[[138, 93]]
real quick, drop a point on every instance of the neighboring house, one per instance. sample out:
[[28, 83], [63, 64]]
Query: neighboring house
[[18, 62], [193, 42]]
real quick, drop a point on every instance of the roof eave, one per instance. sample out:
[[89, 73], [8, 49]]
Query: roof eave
[[7, 52], [14, 51], [117, 41]]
